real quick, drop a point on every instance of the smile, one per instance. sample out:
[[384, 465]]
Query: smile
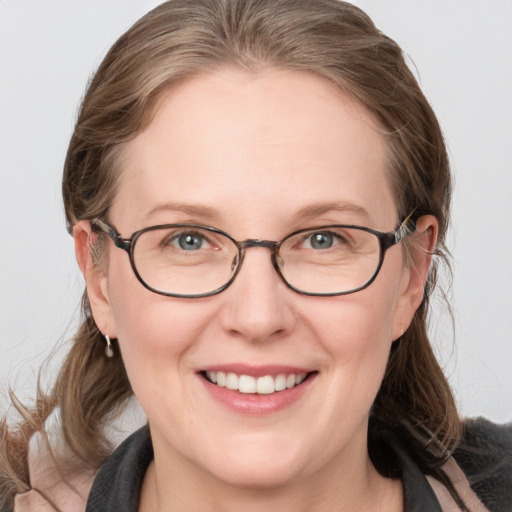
[[247, 384]]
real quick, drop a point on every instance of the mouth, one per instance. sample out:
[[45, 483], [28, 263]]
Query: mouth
[[250, 385]]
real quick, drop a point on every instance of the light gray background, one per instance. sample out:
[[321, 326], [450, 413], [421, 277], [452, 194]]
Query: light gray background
[[462, 50]]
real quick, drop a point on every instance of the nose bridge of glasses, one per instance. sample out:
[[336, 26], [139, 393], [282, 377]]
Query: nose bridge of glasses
[[258, 242]]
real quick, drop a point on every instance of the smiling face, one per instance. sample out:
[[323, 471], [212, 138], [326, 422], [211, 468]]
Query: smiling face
[[257, 156]]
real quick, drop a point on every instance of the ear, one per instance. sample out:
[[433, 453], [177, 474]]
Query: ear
[[95, 275], [422, 244]]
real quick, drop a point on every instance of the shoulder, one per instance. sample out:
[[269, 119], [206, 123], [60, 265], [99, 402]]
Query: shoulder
[[48, 461], [59, 480], [118, 482], [485, 456]]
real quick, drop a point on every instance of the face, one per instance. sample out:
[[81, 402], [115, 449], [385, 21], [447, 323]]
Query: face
[[258, 156]]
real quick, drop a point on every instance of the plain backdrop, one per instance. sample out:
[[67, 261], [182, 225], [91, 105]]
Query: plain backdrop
[[462, 53]]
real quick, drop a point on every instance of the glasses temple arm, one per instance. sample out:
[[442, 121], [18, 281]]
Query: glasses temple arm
[[407, 227], [112, 233]]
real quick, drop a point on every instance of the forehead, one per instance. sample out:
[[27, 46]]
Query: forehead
[[254, 147]]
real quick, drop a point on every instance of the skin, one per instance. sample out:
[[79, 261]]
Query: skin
[[251, 151]]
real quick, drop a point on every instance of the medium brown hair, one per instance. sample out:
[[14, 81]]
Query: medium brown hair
[[183, 38]]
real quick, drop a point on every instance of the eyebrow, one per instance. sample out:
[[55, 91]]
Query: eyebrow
[[190, 209], [306, 213], [316, 210]]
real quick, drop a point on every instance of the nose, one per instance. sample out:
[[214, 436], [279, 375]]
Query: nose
[[258, 305]]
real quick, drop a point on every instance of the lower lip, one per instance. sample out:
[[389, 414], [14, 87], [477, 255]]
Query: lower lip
[[253, 403]]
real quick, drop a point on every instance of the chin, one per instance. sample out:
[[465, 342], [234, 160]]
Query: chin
[[255, 476], [256, 466]]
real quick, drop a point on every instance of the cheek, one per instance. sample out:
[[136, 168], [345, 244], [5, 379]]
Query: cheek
[[154, 332], [356, 333], [355, 325]]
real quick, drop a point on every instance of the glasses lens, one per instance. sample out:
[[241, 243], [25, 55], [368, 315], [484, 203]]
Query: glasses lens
[[184, 260], [329, 261]]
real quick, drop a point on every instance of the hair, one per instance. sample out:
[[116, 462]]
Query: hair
[[184, 38]]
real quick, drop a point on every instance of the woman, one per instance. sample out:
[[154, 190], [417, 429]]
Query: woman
[[280, 185]]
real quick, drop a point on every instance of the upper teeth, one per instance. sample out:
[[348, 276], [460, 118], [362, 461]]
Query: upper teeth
[[262, 385]]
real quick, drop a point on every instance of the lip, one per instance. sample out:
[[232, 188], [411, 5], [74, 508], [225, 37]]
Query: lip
[[255, 404], [255, 371]]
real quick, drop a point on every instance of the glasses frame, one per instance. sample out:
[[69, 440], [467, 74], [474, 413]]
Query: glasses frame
[[387, 239]]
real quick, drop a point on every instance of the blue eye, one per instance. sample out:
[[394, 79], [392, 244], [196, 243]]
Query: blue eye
[[321, 240], [189, 241]]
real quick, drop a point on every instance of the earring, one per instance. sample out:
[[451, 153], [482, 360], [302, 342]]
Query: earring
[[109, 351]]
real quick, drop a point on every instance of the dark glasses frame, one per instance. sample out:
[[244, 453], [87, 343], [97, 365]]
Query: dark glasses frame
[[386, 240]]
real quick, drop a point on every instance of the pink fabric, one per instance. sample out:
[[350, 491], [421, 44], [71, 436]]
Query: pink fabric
[[461, 484], [50, 492], [32, 501]]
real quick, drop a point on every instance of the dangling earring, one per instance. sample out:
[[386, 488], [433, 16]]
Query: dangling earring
[[109, 351]]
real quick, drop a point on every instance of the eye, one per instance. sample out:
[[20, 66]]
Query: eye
[[188, 241], [320, 240]]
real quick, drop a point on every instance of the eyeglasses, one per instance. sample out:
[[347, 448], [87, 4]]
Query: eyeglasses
[[191, 261]]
